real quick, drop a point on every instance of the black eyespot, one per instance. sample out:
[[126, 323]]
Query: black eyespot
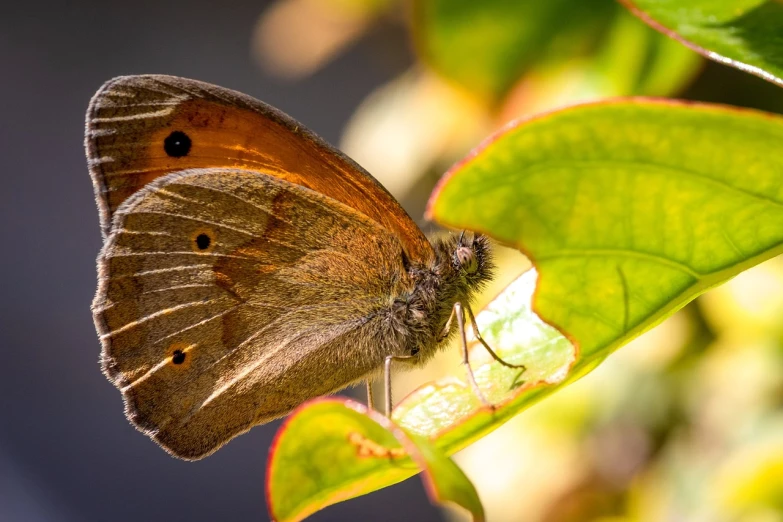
[[177, 144], [203, 241], [178, 357], [414, 351]]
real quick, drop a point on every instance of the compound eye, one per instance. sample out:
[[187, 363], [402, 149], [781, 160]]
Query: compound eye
[[466, 258]]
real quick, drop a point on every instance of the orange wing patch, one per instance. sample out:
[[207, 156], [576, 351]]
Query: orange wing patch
[[140, 128]]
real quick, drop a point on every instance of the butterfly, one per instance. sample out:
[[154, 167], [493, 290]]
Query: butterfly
[[249, 266]]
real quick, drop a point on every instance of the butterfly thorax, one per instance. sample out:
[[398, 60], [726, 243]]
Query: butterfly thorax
[[462, 266]]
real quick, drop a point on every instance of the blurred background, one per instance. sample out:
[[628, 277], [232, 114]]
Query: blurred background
[[684, 424]]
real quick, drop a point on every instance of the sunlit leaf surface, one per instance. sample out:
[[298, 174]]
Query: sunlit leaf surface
[[628, 209]]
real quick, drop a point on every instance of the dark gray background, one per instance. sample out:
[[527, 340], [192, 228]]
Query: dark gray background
[[66, 451]]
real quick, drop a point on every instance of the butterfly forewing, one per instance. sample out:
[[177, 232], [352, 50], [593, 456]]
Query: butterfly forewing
[[140, 128], [223, 292]]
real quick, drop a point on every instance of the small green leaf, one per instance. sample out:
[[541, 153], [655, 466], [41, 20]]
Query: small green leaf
[[746, 34], [326, 452], [628, 209]]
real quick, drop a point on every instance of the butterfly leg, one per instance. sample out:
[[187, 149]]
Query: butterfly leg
[[486, 346], [460, 314], [447, 328], [370, 402], [387, 378]]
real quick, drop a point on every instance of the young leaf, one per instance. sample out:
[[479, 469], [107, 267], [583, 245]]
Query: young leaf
[[745, 34], [328, 442]]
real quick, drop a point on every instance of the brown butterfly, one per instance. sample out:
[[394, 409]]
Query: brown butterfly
[[249, 266]]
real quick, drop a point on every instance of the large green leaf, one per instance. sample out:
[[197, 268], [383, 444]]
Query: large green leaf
[[629, 210], [747, 34]]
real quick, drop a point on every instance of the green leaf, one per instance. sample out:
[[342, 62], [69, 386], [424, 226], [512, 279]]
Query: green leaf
[[634, 60], [746, 34], [328, 443], [628, 209], [486, 46]]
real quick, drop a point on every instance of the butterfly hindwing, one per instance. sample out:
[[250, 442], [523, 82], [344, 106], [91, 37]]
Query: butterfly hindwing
[[227, 297]]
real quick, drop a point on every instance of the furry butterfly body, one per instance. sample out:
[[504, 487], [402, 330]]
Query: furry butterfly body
[[248, 266]]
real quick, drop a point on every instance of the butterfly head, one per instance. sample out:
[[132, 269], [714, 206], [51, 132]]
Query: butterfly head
[[472, 259], [466, 261]]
